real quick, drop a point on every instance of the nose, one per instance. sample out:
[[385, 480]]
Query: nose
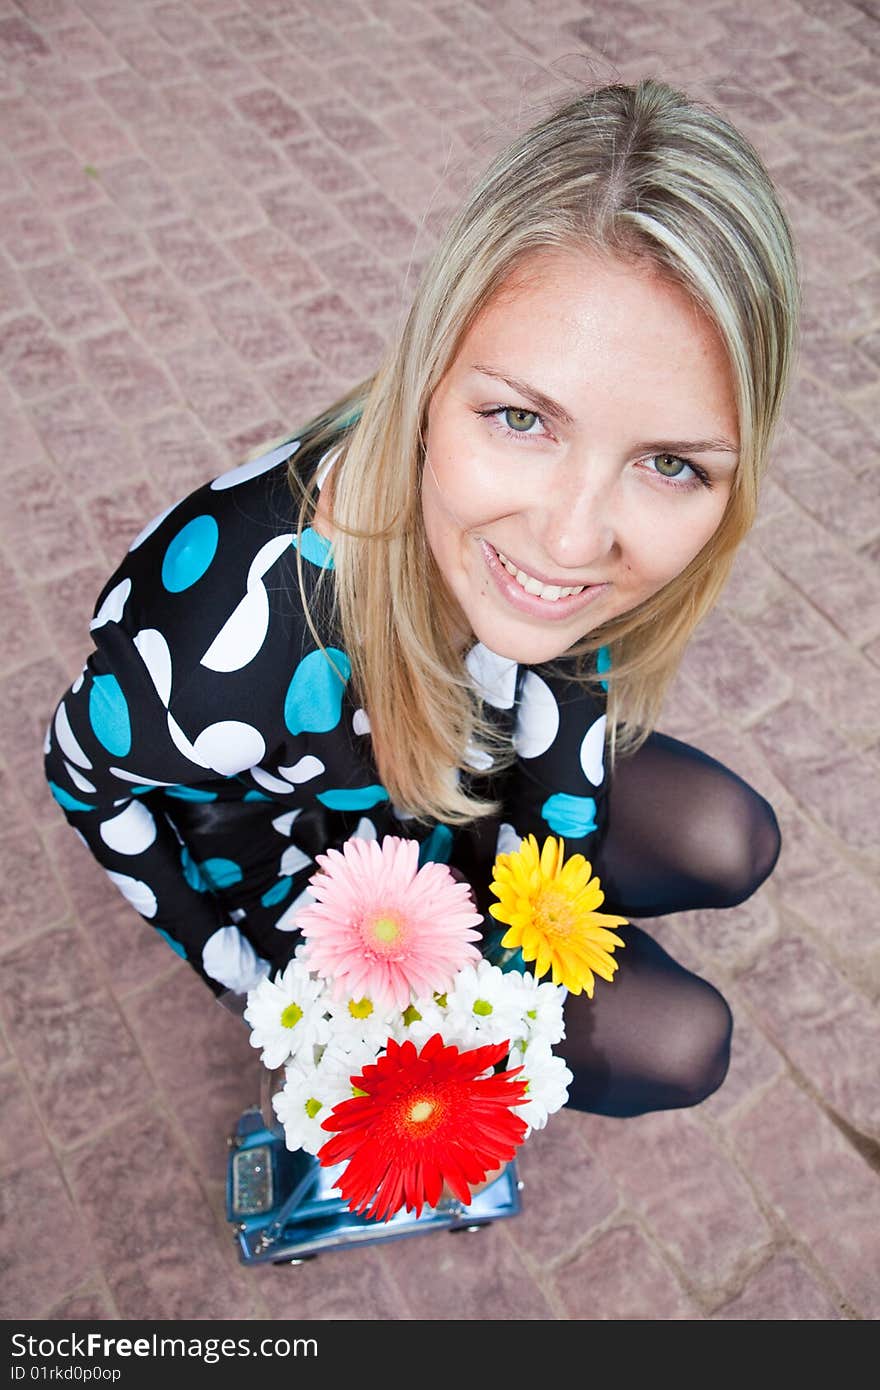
[[578, 524]]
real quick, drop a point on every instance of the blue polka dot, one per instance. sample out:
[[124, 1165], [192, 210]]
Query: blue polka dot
[[69, 802], [313, 702], [277, 893], [255, 796], [175, 945], [570, 816], [108, 713], [352, 798], [603, 664], [192, 873], [221, 873], [190, 794], [190, 553], [141, 791], [314, 548], [437, 847]]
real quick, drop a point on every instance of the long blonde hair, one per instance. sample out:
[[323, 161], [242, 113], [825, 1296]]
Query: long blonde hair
[[632, 171]]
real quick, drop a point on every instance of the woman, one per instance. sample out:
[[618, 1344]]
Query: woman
[[461, 624]]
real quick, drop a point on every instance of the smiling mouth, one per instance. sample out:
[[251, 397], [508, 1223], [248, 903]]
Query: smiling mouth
[[527, 582]]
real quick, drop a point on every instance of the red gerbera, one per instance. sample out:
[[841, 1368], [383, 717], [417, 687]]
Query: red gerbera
[[424, 1118]]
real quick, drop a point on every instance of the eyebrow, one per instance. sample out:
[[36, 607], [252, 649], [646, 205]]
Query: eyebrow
[[547, 406]]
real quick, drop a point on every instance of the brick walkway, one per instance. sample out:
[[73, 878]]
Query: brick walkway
[[210, 211]]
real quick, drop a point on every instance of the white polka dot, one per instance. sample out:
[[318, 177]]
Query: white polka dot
[[537, 718], [81, 837], [325, 463], [244, 632], [400, 814], [477, 758], [270, 783], [138, 893], [508, 840], [230, 959], [304, 770], [138, 779], [283, 824], [493, 676], [365, 830], [156, 656], [67, 740], [77, 684], [229, 746], [245, 471], [287, 920], [360, 721], [132, 831], [111, 609], [181, 742], [153, 525], [293, 859], [593, 752], [77, 778], [47, 738]]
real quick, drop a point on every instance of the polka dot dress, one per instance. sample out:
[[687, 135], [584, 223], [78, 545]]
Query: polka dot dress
[[210, 749]]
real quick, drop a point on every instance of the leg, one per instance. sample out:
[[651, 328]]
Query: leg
[[655, 1038], [683, 832]]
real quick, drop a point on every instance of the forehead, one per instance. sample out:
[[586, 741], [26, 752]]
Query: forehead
[[575, 319]]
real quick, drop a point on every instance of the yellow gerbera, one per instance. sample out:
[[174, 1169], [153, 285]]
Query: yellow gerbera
[[550, 907]]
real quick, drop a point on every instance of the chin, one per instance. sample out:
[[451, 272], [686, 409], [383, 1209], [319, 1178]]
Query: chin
[[526, 649]]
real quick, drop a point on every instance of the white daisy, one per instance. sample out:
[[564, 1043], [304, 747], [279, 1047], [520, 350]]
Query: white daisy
[[353, 1021], [287, 1015], [547, 1078], [486, 1003], [542, 1006], [420, 1021], [305, 1101]]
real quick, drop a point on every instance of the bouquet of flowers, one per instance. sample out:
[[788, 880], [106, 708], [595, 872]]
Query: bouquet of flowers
[[408, 1056]]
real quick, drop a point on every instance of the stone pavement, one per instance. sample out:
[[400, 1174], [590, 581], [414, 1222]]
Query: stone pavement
[[211, 215]]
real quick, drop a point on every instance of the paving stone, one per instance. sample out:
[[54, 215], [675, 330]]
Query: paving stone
[[36, 1210], [23, 1136], [808, 755], [566, 1195], [39, 502], [201, 1058], [211, 380], [33, 359], [271, 114], [163, 314], [83, 438], [84, 50], [71, 298], [131, 380], [20, 44], [248, 322], [178, 25], [302, 388], [194, 257], [104, 237], [22, 625], [819, 1186], [29, 891], [825, 1027], [336, 335], [381, 224], [725, 1230], [734, 670], [89, 1306], [783, 1290], [178, 455], [340, 1286], [269, 256], [306, 222], [147, 53], [474, 1276], [156, 1238], [620, 1276], [140, 192], [117, 517], [24, 125], [323, 165]]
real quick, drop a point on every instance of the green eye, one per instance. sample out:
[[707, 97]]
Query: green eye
[[669, 465], [520, 420]]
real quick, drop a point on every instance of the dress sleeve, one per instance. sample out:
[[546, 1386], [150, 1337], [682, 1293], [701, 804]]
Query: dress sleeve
[[111, 744]]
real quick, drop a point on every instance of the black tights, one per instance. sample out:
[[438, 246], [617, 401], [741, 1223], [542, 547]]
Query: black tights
[[683, 832]]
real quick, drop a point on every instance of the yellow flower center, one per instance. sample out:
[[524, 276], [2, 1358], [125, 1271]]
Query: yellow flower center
[[291, 1016], [411, 1015], [360, 1008], [312, 1107], [553, 913], [385, 929], [421, 1111]]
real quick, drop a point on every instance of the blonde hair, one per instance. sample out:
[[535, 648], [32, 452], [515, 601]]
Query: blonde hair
[[637, 171]]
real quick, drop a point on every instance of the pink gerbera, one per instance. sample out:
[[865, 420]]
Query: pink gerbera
[[383, 928]]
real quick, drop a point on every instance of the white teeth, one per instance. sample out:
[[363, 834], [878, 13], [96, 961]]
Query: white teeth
[[550, 592]]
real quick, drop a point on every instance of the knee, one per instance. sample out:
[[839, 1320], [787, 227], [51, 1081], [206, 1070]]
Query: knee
[[746, 850], [695, 1060]]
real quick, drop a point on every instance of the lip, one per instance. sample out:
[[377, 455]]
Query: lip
[[532, 604]]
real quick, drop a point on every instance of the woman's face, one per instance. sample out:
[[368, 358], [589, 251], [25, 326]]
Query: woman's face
[[580, 451]]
